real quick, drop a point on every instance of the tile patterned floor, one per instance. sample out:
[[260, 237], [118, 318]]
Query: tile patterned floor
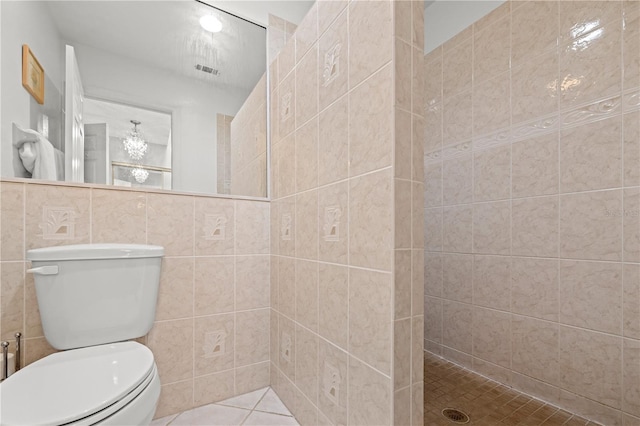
[[487, 403], [261, 407]]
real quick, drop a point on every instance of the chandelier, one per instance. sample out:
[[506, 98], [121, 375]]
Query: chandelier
[[139, 174], [134, 143]]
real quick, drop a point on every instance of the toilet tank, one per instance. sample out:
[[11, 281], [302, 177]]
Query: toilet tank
[[91, 294]]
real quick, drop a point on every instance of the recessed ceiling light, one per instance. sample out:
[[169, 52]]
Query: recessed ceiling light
[[211, 23]]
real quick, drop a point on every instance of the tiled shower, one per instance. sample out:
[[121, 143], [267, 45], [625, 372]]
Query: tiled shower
[[532, 203]]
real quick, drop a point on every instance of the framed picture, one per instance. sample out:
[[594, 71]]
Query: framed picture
[[32, 74]]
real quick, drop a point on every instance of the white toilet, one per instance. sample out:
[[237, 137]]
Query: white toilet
[[92, 299]]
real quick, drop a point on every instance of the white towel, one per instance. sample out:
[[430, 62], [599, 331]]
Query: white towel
[[36, 152]]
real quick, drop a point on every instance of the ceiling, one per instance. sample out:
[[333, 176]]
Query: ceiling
[[167, 35]]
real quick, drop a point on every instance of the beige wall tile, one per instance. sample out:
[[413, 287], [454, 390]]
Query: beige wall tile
[[12, 299], [214, 285], [534, 226], [286, 226], [457, 117], [252, 282], [417, 79], [433, 117], [631, 148], [175, 296], [631, 46], [213, 388], [490, 235], [457, 185], [589, 408], [172, 346], [170, 223], [402, 62], [631, 225], [597, 69], [370, 213], [535, 348], [32, 322], [369, 314], [333, 142], [372, 407], [590, 227], [287, 286], [333, 382], [457, 229], [535, 166], [402, 401], [534, 290], [287, 101], [402, 15], [284, 172], [307, 86], [328, 10], [582, 11], [307, 362], [333, 223], [252, 337], [489, 369], [307, 156], [433, 228], [535, 17], [590, 295], [36, 348], [491, 105], [492, 281], [307, 32], [402, 217], [214, 226], [287, 348], [12, 221], [491, 49], [418, 24], [591, 156], [333, 54], [433, 319], [56, 215], [433, 185], [403, 142], [433, 76], [457, 329], [370, 38], [401, 353], [371, 121], [175, 398], [214, 344], [307, 225], [417, 349], [433, 274], [403, 277], [252, 377], [631, 376], [492, 336], [457, 277], [631, 301], [534, 85], [306, 411], [417, 282], [118, 216], [252, 227], [492, 174], [307, 294], [457, 68], [286, 59], [590, 365]]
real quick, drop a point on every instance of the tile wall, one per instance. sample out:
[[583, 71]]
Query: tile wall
[[211, 335], [347, 134], [532, 203]]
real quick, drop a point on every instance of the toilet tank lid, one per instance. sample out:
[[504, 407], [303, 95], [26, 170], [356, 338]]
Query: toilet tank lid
[[95, 251]]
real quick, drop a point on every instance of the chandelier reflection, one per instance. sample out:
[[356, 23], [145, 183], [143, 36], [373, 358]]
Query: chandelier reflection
[[139, 174], [134, 143]]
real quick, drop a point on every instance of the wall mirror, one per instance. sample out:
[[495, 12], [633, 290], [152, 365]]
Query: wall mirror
[[168, 95]]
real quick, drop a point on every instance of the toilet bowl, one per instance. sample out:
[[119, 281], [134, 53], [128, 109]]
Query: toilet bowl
[[93, 298], [113, 384]]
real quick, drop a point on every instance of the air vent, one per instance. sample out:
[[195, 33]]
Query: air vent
[[207, 69]]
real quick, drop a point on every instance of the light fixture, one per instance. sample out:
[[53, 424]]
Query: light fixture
[[139, 174], [211, 23], [134, 143]]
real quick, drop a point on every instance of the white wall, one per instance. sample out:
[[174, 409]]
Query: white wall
[[17, 24], [443, 19]]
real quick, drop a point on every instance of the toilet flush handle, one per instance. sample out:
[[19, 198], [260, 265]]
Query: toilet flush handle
[[44, 270]]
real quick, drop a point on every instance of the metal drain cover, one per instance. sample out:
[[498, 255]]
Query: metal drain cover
[[455, 416]]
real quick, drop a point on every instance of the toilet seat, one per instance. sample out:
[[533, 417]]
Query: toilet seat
[[82, 386]]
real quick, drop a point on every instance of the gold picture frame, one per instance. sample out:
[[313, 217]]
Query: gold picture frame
[[32, 74]]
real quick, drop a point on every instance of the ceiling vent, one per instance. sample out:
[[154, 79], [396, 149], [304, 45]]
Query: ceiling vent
[[207, 69]]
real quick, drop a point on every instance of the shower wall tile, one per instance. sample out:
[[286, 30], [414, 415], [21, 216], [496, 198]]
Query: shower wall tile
[[333, 154], [12, 200], [170, 223], [532, 189], [175, 300], [307, 156]]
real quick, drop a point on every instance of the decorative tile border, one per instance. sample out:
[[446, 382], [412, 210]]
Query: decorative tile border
[[214, 344], [214, 227], [58, 223], [331, 227], [331, 69]]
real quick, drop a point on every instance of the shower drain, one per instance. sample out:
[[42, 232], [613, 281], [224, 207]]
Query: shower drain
[[456, 416]]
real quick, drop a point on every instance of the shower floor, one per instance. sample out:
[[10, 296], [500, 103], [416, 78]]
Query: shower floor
[[487, 403], [261, 407]]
